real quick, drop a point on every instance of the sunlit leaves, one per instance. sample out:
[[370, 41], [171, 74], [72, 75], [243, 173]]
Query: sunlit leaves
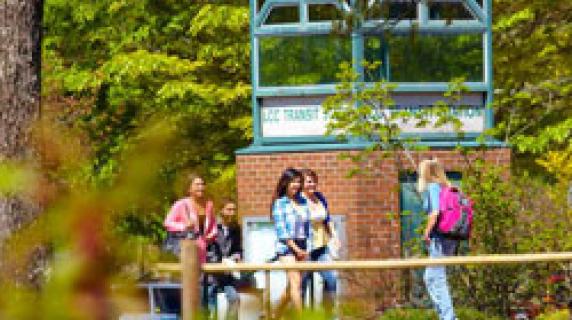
[[512, 19], [14, 179], [533, 70], [112, 65], [368, 111]]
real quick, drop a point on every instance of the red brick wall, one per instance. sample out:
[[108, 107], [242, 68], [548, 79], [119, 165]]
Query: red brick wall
[[366, 201]]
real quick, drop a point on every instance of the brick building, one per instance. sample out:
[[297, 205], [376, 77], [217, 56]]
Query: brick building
[[366, 202], [294, 62]]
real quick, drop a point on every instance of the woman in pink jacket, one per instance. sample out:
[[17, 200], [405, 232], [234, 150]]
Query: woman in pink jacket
[[192, 217]]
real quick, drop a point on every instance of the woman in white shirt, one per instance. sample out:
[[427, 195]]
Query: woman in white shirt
[[322, 237]]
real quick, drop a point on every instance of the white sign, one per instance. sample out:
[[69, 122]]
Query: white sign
[[299, 117], [293, 121], [472, 120]]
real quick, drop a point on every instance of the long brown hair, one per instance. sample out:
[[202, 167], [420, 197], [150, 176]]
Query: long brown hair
[[288, 175], [192, 177], [309, 173]]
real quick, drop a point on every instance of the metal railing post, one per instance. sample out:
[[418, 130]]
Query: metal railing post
[[191, 270]]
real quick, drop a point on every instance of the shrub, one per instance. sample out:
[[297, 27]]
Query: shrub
[[429, 314], [555, 315], [409, 314], [472, 314]]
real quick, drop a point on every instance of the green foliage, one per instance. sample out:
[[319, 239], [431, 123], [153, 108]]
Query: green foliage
[[513, 214], [409, 314], [302, 60], [367, 112], [496, 214], [533, 70], [77, 225], [110, 66], [13, 179], [472, 314], [555, 315], [426, 314], [425, 58]]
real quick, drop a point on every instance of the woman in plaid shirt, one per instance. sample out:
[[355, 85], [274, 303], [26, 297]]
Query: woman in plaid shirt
[[292, 224]]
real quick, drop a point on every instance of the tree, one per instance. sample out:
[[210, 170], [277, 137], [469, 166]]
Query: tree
[[533, 74], [20, 29], [111, 66]]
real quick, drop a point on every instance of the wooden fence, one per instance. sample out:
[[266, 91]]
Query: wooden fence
[[191, 269]]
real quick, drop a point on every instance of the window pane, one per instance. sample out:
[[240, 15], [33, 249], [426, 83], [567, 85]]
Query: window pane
[[374, 51], [302, 60], [397, 9], [449, 11], [283, 14], [323, 12], [420, 58]]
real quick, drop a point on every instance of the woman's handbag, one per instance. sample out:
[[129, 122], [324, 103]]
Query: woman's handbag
[[172, 243]]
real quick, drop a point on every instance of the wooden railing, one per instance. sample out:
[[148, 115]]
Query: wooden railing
[[190, 269]]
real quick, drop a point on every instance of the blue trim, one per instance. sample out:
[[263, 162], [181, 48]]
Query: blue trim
[[422, 136], [261, 16], [489, 74], [439, 136], [422, 12], [304, 15], [357, 66], [436, 86], [372, 27], [299, 140], [254, 60], [294, 29], [357, 146], [358, 55], [387, 61], [308, 90], [326, 89], [256, 121], [429, 27], [475, 9]]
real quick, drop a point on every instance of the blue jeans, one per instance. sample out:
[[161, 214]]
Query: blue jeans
[[436, 279], [232, 298], [209, 299], [330, 278], [208, 294]]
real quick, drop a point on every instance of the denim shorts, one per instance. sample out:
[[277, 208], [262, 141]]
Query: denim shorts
[[301, 243]]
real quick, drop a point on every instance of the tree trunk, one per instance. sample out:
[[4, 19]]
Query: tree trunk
[[20, 48]]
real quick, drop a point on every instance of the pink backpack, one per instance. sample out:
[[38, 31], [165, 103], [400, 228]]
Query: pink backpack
[[455, 214]]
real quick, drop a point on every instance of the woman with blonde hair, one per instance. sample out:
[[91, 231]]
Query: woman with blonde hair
[[323, 236], [431, 179]]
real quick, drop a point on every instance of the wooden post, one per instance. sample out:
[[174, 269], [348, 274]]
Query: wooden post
[[191, 271], [266, 298]]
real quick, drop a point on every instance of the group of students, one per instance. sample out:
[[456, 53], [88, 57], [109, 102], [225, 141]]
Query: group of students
[[304, 232]]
